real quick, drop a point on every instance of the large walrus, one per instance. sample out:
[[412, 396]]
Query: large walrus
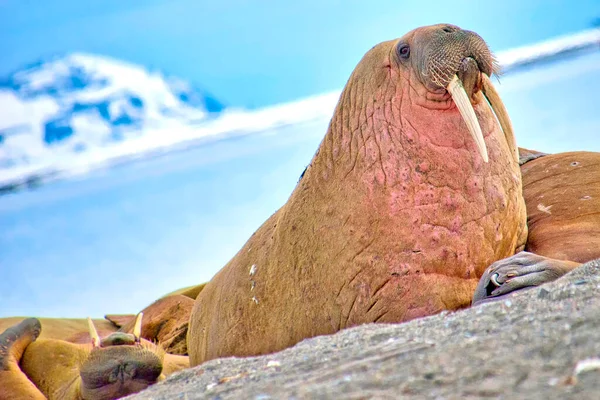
[[414, 191]]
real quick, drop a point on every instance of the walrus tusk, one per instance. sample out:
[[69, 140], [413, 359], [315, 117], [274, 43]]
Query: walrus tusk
[[137, 328], [497, 106], [93, 333], [461, 99]]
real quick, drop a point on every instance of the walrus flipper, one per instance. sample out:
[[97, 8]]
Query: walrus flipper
[[526, 155], [14, 384], [517, 272]]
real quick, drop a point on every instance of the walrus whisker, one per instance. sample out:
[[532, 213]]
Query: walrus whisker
[[495, 102], [461, 99], [93, 333], [137, 328]]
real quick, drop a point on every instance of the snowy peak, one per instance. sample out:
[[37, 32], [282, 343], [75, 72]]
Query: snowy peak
[[92, 77], [68, 104]]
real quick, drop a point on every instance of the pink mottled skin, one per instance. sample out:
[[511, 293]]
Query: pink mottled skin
[[396, 217]]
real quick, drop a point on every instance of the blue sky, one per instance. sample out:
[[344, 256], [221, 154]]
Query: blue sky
[[256, 53]]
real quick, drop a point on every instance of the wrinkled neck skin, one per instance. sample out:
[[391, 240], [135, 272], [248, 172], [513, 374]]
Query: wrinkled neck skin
[[437, 214]]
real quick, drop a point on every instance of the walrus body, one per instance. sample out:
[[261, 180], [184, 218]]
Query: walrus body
[[396, 217], [562, 194], [165, 321]]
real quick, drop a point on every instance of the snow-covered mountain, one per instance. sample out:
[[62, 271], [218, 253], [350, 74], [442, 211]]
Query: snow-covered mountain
[[73, 104]]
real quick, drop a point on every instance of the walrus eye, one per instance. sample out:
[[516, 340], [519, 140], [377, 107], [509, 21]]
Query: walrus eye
[[404, 51]]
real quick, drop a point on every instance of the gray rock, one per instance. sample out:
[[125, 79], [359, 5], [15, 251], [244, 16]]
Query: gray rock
[[536, 344]]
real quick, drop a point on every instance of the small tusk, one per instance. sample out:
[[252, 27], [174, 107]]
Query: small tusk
[[497, 106], [137, 327], [93, 333], [461, 99]]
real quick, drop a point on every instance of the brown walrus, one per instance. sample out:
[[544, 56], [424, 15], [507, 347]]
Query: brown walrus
[[413, 192], [165, 321], [107, 368], [562, 194]]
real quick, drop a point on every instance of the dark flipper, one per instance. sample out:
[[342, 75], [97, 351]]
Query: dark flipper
[[526, 155], [518, 272], [14, 384]]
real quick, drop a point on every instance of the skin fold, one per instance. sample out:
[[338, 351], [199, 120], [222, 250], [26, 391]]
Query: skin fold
[[396, 217]]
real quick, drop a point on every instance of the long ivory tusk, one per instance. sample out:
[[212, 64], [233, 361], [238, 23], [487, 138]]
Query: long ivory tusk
[[461, 99], [93, 333], [137, 327], [497, 106]]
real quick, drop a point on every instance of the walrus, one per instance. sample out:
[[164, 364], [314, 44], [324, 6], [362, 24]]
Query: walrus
[[413, 192], [165, 321], [107, 368], [562, 195]]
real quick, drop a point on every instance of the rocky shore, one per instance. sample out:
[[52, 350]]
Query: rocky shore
[[537, 344]]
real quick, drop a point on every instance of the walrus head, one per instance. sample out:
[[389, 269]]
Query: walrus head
[[454, 66], [120, 364]]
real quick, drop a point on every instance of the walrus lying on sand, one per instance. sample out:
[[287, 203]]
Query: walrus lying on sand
[[107, 368]]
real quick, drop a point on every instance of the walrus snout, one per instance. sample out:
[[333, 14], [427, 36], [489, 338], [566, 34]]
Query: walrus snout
[[120, 364], [460, 61], [449, 50], [115, 371]]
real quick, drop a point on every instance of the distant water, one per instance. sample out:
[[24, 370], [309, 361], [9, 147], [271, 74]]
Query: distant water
[[114, 241]]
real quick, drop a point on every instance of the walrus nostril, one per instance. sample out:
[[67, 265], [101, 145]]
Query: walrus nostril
[[448, 29], [129, 370]]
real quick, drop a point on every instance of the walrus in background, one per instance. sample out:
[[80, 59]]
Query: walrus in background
[[165, 322], [562, 194], [414, 191], [107, 368]]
